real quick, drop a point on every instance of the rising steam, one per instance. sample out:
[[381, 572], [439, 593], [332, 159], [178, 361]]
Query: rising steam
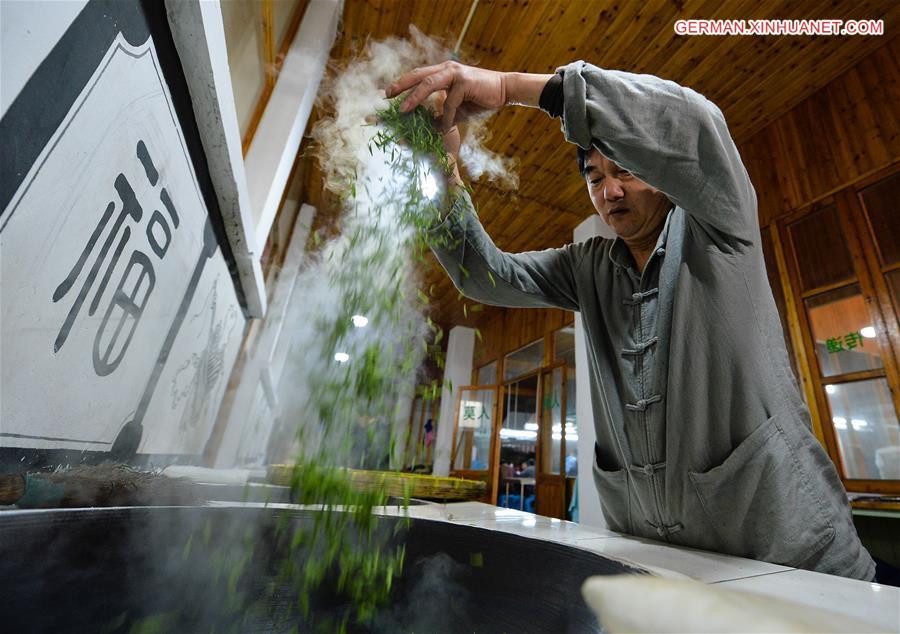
[[368, 270], [355, 92]]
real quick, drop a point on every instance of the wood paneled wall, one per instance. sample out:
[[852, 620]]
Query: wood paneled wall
[[511, 328], [840, 134]]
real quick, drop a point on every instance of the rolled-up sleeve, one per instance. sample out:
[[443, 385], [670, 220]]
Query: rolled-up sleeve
[[668, 136], [484, 273]]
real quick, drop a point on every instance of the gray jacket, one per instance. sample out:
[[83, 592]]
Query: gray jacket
[[703, 439]]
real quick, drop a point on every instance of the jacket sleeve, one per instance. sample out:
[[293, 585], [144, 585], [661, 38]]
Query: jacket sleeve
[[668, 136], [484, 273]]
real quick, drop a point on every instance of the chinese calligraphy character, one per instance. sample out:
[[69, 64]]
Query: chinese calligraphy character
[[846, 343], [469, 412], [853, 339], [484, 414], [136, 284], [834, 344]]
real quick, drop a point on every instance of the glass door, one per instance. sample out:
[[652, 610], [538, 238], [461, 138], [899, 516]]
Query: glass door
[[551, 475], [519, 443], [473, 436], [564, 352]]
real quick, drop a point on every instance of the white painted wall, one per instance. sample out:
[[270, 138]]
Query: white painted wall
[[457, 372], [28, 31], [589, 511]]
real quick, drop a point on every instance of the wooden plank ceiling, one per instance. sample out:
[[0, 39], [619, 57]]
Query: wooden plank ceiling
[[753, 80]]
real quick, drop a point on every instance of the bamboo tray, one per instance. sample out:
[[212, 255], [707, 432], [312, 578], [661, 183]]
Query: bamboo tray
[[397, 484]]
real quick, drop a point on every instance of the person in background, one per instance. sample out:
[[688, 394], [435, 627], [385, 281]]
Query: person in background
[[527, 470], [571, 465], [703, 438]]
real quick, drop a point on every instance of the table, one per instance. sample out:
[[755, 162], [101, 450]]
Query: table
[[523, 482]]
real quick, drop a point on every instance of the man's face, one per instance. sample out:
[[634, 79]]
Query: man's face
[[634, 210]]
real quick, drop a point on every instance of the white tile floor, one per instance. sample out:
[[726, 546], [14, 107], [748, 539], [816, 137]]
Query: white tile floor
[[867, 602]]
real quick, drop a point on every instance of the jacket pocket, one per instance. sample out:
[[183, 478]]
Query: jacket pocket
[[613, 489], [760, 503]]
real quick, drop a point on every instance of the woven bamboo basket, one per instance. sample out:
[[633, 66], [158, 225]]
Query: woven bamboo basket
[[414, 485]]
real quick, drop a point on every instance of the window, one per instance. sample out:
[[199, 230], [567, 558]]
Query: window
[[564, 350], [865, 425], [564, 345], [845, 261], [841, 328], [893, 279], [257, 37], [552, 423], [245, 43], [880, 203], [487, 374], [523, 360], [519, 428]]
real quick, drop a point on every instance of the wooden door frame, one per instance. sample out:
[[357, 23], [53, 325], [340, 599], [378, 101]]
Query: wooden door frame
[[793, 307]]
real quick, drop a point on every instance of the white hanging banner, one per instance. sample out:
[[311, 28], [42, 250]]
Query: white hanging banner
[[117, 304]]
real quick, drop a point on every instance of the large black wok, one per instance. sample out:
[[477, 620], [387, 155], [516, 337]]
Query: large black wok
[[131, 570]]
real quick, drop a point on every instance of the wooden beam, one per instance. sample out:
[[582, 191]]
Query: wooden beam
[[199, 37]]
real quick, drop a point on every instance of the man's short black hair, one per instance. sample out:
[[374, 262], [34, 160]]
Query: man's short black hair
[[582, 159]]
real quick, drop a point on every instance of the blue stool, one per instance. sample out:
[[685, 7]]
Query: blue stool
[[510, 501], [529, 503]]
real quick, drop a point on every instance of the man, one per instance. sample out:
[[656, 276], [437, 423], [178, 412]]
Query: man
[[703, 439]]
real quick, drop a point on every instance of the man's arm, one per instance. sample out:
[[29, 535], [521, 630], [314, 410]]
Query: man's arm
[[482, 272], [477, 267], [668, 136]]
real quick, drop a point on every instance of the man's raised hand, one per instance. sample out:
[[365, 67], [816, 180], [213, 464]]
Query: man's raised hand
[[469, 90]]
